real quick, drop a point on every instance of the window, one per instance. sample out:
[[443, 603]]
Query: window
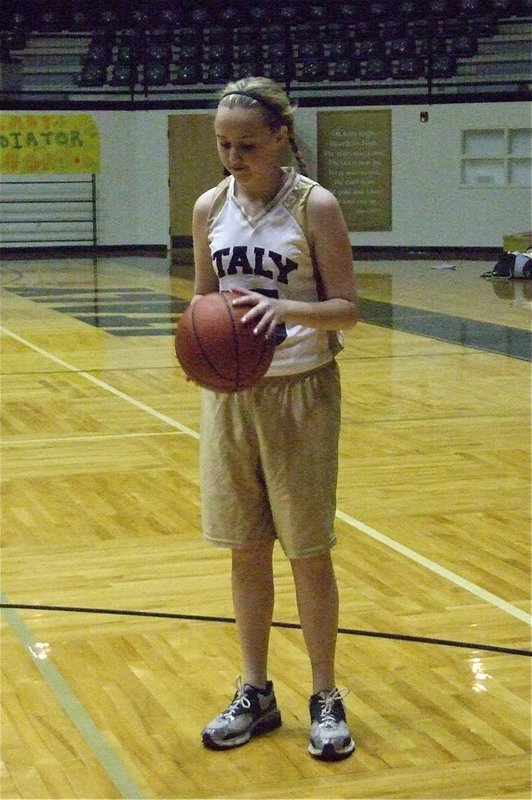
[[496, 157]]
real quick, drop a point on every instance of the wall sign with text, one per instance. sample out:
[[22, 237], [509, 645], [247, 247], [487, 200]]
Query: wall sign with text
[[355, 163], [57, 143]]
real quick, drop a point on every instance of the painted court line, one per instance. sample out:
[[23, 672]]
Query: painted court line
[[472, 588], [73, 708], [106, 386], [97, 437]]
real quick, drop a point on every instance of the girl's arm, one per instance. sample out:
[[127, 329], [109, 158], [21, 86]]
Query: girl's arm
[[205, 278], [331, 249]]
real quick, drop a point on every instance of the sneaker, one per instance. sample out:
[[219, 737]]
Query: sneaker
[[330, 739], [251, 712]]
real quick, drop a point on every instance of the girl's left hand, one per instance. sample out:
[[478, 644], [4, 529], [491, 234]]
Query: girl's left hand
[[265, 313]]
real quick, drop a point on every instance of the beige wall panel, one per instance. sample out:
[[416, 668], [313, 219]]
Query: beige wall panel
[[194, 166]]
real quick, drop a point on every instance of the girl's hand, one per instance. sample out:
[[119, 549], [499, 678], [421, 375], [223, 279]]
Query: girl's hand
[[265, 313]]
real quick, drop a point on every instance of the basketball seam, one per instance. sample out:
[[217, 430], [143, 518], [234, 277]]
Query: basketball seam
[[238, 377], [236, 342], [202, 349]]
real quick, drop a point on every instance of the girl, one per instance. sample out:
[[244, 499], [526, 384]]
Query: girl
[[269, 455]]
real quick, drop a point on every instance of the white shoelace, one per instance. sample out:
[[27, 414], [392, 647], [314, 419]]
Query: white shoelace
[[240, 700], [326, 716]]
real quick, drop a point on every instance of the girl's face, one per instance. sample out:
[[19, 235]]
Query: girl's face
[[247, 146]]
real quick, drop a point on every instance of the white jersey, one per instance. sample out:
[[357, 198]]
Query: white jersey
[[269, 253]]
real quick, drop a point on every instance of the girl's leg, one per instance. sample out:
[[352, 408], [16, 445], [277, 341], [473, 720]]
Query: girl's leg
[[317, 601], [253, 599]]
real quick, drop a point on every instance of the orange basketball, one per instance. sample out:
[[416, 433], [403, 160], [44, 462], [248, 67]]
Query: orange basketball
[[218, 351]]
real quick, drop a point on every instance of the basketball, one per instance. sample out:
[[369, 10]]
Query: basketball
[[216, 350]]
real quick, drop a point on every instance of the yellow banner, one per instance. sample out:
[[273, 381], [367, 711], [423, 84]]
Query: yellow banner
[[57, 143]]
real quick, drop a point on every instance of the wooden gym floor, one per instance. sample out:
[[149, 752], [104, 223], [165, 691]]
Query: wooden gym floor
[[118, 641]]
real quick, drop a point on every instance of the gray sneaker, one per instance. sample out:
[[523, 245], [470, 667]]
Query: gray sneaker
[[330, 739], [252, 711]]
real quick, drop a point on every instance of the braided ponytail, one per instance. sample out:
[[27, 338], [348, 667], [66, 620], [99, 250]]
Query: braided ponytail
[[301, 163], [278, 110]]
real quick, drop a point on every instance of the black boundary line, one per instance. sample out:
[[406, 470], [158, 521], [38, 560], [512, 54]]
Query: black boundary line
[[403, 637]]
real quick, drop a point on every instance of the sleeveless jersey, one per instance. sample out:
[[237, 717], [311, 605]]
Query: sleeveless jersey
[[270, 254]]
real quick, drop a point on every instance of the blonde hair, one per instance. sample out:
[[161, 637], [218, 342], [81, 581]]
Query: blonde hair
[[273, 102]]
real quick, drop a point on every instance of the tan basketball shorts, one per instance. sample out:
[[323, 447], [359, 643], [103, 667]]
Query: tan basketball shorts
[[269, 463]]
